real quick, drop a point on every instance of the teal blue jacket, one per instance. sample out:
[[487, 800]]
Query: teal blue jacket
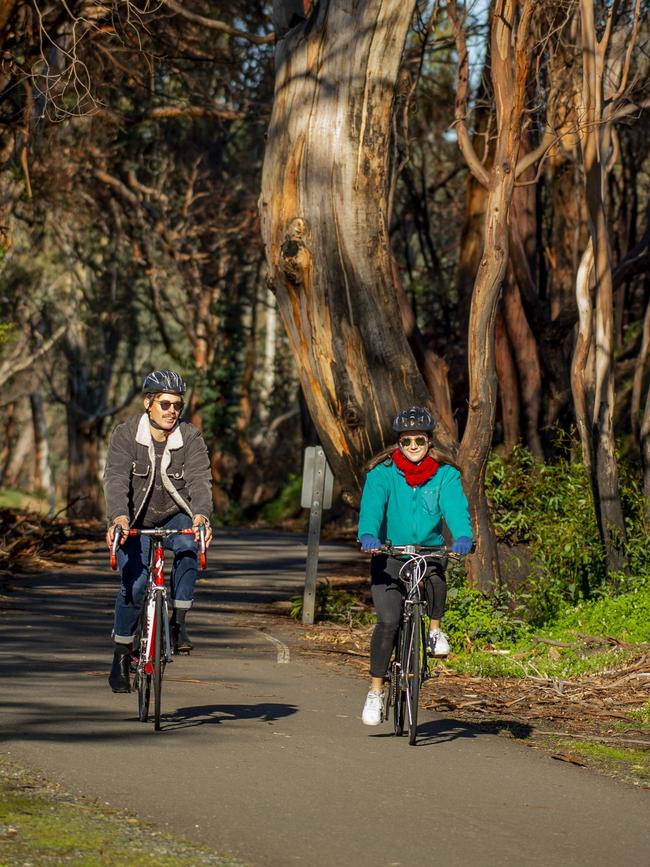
[[392, 510]]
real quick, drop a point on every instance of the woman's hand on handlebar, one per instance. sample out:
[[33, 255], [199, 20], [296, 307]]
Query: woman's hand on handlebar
[[123, 522], [370, 544], [463, 545]]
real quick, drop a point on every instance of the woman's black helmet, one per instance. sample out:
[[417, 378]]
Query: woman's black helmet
[[163, 380], [413, 418]]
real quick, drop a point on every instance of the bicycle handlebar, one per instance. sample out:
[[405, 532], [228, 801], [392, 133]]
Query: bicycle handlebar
[[423, 550], [160, 533]]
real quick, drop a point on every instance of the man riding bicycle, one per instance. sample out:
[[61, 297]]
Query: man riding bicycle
[[157, 475], [408, 492]]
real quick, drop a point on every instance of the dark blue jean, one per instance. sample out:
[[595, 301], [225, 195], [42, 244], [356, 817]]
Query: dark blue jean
[[133, 561]]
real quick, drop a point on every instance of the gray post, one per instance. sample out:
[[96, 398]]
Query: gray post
[[313, 537]]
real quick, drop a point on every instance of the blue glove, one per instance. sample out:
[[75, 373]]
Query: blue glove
[[369, 543], [462, 545]]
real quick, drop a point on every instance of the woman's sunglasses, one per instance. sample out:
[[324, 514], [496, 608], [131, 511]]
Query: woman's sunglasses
[[176, 405], [419, 441]]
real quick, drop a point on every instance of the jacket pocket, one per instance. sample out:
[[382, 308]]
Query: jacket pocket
[[431, 501], [177, 476], [141, 470]]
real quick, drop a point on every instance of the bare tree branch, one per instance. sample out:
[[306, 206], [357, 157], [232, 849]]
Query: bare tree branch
[[462, 93], [221, 26], [14, 365]]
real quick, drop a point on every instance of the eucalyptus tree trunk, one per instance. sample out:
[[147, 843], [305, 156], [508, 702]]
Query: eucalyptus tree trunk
[[323, 210], [509, 62], [15, 475], [84, 498], [42, 471], [645, 452], [508, 386], [605, 69]]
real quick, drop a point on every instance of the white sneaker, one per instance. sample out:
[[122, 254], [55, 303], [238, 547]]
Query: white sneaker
[[373, 709], [438, 643]]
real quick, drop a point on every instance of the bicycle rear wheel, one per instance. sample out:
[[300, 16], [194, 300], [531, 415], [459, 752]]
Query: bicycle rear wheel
[[159, 661]]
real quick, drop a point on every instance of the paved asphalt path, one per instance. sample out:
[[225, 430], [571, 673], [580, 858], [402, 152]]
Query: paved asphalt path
[[262, 752]]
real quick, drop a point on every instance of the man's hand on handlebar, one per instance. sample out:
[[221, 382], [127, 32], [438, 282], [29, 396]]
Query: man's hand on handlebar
[[121, 521], [197, 521]]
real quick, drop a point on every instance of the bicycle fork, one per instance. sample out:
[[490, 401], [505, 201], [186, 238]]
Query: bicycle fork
[[159, 587]]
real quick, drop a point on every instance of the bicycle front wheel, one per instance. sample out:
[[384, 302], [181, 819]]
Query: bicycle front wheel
[[144, 693], [399, 679], [159, 660], [413, 677], [142, 679]]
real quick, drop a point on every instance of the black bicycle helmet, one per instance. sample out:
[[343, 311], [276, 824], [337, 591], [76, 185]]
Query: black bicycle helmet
[[413, 418], [164, 381]]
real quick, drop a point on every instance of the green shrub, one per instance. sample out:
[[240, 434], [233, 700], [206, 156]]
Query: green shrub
[[625, 617], [337, 606], [472, 618], [550, 508], [286, 504]]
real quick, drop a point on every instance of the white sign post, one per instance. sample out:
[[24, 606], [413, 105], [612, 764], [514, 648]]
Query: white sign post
[[317, 484]]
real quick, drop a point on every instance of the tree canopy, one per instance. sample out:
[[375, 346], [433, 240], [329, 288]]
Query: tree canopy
[[320, 212]]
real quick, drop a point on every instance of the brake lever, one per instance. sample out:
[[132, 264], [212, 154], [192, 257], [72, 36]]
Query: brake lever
[[116, 542], [203, 560]]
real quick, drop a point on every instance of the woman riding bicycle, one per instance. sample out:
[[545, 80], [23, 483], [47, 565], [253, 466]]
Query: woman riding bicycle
[[406, 495]]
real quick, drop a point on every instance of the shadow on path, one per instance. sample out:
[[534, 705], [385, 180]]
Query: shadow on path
[[440, 731], [187, 717]]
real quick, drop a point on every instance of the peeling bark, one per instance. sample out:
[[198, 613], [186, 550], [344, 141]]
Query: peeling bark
[[509, 69], [323, 212], [604, 72]]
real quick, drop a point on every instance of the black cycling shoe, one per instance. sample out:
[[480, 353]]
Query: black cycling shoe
[[119, 679], [182, 643]]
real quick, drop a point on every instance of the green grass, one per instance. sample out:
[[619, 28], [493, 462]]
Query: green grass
[[39, 825], [483, 644], [617, 761], [642, 714], [625, 617], [335, 605], [23, 501]]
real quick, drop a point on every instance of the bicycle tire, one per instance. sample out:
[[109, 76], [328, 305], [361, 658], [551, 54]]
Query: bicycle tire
[[159, 662], [414, 676], [424, 663], [142, 679], [389, 692], [143, 682], [399, 708]]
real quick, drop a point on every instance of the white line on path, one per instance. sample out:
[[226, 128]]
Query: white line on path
[[283, 650]]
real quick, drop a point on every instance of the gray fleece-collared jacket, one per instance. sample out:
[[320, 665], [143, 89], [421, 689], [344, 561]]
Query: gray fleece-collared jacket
[[131, 461]]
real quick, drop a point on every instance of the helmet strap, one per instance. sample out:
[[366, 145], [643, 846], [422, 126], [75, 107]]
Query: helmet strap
[[159, 427]]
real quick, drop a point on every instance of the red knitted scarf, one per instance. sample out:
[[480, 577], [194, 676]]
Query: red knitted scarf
[[416, 474]]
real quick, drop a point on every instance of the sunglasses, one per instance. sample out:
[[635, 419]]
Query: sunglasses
[[419, 441], [176, 405]]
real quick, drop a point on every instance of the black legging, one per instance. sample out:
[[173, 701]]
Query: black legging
[[387, 592]]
